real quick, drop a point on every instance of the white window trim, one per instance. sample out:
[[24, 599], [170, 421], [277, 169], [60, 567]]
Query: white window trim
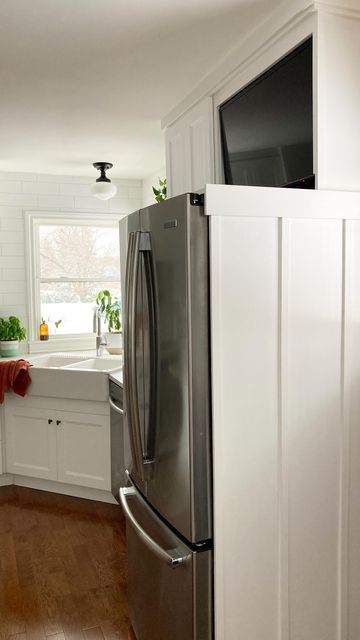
[[70, 342]]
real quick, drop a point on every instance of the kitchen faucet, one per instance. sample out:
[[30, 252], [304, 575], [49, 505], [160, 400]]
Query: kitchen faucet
[[100, 338]]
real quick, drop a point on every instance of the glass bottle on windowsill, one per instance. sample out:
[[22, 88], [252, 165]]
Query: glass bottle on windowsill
[[44, 330]]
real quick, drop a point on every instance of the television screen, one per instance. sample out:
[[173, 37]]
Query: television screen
[[267, 128]]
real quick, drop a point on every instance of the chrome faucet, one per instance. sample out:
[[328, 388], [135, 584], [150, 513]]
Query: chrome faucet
[[100, 338]]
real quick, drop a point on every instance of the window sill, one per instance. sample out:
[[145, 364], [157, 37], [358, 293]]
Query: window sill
[[65, 343]]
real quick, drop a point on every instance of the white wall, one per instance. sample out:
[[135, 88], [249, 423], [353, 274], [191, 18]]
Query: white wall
[[20, 192], [149, 182], [338, 105]]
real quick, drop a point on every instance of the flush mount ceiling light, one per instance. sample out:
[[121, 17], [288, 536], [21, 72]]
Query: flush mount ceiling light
[[103, 187]]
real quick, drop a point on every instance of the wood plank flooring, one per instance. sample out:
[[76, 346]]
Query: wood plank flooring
[[62, 568]]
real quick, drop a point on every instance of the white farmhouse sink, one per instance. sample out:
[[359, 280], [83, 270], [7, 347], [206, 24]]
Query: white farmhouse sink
[[76, 377], [55, 360], [97, 364]]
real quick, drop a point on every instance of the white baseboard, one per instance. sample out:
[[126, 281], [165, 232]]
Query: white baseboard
[[6, 479], [58, 487]]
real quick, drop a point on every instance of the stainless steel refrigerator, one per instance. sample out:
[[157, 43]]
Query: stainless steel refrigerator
[[168, 498]]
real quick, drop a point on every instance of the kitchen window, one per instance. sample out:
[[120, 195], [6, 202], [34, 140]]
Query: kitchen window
[[71, 257]]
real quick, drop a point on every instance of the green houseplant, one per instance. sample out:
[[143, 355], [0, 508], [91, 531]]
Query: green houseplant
[[160, 192], [11, 333], [110, 307]]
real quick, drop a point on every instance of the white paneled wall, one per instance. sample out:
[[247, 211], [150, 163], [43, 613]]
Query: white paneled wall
[[286, 413], [24, 191]]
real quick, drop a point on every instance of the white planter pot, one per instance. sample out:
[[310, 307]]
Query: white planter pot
[[9, 348], [114, 342]]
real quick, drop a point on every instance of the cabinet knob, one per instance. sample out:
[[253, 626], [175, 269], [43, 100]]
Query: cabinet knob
[[50, 421], [58, 422]]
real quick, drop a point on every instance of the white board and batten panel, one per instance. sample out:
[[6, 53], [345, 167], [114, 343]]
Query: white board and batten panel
[[244, 283], [311, 399], [286, 387]]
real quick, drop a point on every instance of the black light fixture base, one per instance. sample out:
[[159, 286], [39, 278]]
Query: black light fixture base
[[102, 167]]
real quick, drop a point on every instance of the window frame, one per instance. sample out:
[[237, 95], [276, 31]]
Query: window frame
[[33, 220]]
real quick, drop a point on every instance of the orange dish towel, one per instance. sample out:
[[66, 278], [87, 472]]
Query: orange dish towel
[[14, 374]]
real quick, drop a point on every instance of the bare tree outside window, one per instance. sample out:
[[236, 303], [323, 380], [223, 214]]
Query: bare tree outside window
[[76, 261]]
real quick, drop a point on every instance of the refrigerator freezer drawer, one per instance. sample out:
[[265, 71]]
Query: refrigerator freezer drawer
[[169, 585]]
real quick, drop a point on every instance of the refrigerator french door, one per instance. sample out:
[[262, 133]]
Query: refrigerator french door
[[168, 500]]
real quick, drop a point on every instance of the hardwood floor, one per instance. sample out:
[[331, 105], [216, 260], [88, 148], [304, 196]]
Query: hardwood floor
[[62, 568]]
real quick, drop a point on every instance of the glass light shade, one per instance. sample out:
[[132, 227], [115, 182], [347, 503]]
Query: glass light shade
[[103, 190]]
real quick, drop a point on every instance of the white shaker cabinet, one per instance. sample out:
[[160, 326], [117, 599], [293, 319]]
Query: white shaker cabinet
[[30, 441], [189, 150], [83, 449], [52, 444]]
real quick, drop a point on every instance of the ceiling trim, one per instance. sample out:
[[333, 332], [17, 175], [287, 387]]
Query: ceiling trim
[[288, 15]]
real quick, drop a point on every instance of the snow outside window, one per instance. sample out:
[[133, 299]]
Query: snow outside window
[[73, 259]]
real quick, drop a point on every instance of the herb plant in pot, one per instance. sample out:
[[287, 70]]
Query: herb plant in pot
[[11, 333], [110, 308]]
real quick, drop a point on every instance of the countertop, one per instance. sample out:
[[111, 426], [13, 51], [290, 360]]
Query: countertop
[[117, 377]]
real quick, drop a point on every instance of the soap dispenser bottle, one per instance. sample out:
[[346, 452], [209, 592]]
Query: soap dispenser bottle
[[44, 330]]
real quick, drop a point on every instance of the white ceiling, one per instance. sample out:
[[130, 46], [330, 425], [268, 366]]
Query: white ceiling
[[84, 80]]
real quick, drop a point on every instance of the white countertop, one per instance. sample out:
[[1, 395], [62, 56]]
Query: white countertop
[[117, 377]]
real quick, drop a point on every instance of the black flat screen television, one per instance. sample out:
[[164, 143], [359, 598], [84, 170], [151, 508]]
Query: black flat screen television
[[267, 128]]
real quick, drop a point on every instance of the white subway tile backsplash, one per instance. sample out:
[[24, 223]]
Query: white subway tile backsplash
[[6, 175], [128, 183], [10, 186], [45, 188], [11, 236], [124, 205], [74, 189], [65, 202], [12, 249], [9, 224], [11, 212], [14, 287], [135, 192], [62, 179], [20, 192], [18, 200], [12, 275], [12, 262], [90, 203], [14, 304], [122, 192]]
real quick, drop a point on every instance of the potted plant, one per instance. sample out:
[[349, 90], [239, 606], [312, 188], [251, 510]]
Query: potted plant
[[110, 307], [160, 192], [11, 333]]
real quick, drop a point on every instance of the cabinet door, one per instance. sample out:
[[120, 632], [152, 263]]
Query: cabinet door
[[189, 150], [199, 145], [30, 442], [177, 167], [83, 443]]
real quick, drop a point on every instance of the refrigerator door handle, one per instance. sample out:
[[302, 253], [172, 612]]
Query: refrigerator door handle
[[145, 247], [129, 329], [172, 557], [133, 389]]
